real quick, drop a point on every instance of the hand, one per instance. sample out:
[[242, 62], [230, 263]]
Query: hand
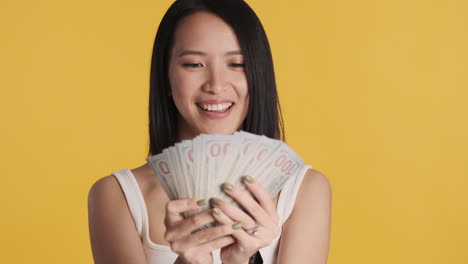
[[194, 247], [261, 214]]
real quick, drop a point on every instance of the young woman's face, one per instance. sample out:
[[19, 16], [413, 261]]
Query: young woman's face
[[207, 77]]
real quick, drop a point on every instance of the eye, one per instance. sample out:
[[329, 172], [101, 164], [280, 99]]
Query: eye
[[192, 65], [237, 65]]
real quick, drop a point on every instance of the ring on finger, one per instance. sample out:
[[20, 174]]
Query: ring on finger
[[253, 230]]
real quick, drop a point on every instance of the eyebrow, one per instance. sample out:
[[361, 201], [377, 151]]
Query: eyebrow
[[200, 53]]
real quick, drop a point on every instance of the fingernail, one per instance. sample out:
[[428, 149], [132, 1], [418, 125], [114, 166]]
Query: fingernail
[[215, 201], [227, 186], [236, 225], [248, 179], [216, 211], [201, 202]]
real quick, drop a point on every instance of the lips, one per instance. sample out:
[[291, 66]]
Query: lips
[[221, 107], [215, 105], [215, 109]]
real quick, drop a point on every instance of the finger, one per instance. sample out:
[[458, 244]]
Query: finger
[[247, 202], [261, 194], [195, 252], [202, 237], [232, 212], [245, 240], [176, 207], [188, 225], [243, 233], [217, 243], [222, 218], [250, 241]]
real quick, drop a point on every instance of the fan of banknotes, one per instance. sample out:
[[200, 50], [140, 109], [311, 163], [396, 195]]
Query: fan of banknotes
[[198, 167]]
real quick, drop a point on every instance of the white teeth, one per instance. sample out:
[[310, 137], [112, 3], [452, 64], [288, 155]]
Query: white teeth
[[216, 107]]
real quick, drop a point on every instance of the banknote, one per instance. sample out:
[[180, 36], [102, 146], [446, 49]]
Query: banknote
[[198, 167]]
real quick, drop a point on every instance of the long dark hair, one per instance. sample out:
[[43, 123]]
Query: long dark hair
[[264, 112]]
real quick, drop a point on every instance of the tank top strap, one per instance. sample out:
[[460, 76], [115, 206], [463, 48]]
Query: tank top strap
[[289, 193], [134, 197]]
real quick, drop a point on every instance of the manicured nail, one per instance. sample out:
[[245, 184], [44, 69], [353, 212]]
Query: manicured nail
[[248, 179], [201, 202], [236, 225], [216, 211], [227, 186], [215, 201]]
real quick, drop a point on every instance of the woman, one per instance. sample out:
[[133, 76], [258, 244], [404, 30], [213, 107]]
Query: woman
[[211, 72]]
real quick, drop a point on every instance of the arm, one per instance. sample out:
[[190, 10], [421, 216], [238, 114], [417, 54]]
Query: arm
[[306, 233], [114, 238]]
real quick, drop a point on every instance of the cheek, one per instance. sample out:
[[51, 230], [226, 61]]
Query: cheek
[[182, 88], [181, 99], [244, 95], [242, 91], [178, 93], [241, 85]]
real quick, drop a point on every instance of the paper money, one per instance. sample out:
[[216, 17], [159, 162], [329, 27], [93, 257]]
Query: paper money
[[198, 167]]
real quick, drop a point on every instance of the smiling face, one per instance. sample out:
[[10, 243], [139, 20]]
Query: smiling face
[[207, 77]]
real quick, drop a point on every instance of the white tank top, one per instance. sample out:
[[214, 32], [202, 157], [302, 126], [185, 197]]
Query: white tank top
[[157, 254]]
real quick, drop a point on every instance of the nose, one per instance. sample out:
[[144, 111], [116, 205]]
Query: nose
[[216, 81]]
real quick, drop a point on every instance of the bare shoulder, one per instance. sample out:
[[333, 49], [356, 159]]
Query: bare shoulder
[[315, 184], [109, 188], [306, 232], [314, 196], [105, 187], [113, 235], [105, 193]]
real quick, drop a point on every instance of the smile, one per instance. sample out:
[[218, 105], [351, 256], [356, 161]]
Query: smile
[[215, 107]]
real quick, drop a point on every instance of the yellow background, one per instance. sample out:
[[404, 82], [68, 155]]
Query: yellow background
[[374, 95]]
